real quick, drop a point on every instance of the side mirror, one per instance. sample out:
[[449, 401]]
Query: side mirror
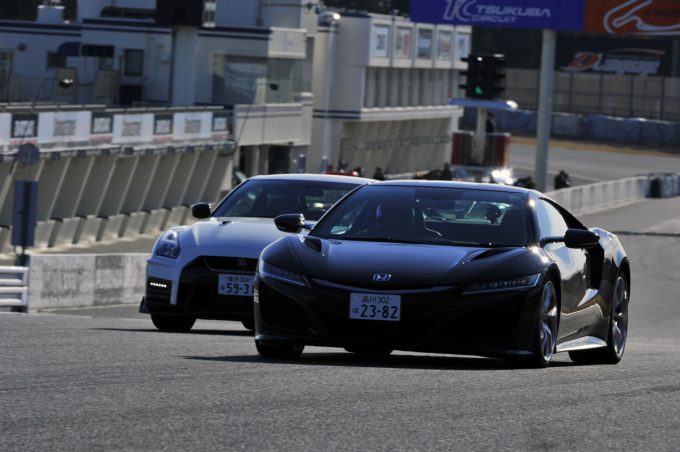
[[201, 210], [290, 222], [580, 238], [574, 238]]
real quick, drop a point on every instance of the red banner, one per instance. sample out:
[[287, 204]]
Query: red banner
[[639, 17]]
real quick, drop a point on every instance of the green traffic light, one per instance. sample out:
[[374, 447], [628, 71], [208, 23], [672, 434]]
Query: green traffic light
[[478, 90]]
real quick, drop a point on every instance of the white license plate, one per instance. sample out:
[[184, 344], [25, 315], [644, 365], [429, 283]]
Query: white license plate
[[235, 285], [373, 306]]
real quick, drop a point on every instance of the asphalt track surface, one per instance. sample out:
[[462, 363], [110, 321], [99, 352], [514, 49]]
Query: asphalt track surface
[[104, 379], [587, 166]]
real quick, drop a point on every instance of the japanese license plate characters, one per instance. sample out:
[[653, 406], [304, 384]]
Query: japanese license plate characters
[[371, 306]]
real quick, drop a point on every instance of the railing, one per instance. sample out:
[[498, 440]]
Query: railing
[[602, 195], [13, 287]]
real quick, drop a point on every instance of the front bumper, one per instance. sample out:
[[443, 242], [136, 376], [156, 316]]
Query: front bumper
[[195, 291], [439, 320]]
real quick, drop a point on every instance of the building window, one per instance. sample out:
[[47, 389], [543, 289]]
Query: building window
[[134, 62], [55, 60], [243, 80]]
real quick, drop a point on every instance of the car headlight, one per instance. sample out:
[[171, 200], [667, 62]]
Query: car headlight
[[168, 245], [270, 271], [503, 284]]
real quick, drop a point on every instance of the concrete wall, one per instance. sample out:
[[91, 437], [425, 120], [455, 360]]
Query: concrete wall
[[602, 195], [65, 281]]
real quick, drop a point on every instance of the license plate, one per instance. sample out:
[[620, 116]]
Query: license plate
[[235, 285], [372, 306]]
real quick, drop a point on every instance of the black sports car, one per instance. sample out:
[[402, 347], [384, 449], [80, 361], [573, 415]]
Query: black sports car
[[444, 267]]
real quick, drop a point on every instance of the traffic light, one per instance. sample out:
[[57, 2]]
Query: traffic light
[[485, 76]]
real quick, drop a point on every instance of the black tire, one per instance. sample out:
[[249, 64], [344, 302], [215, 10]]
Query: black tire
[[545, 334], [618, 330], [375, 351], [279, 351], [173, 323], [249, 324]]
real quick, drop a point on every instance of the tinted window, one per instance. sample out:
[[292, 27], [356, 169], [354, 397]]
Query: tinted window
[[429, 215], [268, 198], [550, 220]]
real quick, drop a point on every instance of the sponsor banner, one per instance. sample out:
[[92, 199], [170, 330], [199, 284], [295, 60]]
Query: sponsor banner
[[534, 14], [424, 43], [220, 126], [614, 55], [402, 45], [444, 39], [64, 127], [101, 129], [639, 17], [134, 128], [162, 127], [462, 46], [24, 128], [192, 125], [380, 39]]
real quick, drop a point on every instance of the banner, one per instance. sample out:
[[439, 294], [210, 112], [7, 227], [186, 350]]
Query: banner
[[534, 14], [639, 17], [64, 127], [614, 55]]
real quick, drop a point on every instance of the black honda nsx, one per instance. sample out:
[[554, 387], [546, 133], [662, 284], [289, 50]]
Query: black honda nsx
[[444, 267]]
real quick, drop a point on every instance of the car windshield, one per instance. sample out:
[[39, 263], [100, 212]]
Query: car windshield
[[429, 215], [269, 198]]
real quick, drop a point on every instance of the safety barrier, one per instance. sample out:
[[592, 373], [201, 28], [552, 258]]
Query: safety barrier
[[602, 195], [13, 286], [82, 280]]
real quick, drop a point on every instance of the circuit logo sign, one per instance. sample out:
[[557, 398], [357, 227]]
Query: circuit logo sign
[[640, 17], [472, 11], [533, 14]]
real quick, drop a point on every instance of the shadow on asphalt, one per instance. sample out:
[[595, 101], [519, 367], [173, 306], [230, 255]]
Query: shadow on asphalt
[[192, 332], [392, 361]]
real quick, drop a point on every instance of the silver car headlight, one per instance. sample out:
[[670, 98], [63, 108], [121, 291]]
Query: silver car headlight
[[267, 270], [521, 282], [168, 245]]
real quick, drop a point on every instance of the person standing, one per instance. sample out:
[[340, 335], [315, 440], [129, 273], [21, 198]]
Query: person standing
[[490, 123]]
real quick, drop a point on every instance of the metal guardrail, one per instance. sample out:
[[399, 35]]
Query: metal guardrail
[[13, 287], [602, 195]]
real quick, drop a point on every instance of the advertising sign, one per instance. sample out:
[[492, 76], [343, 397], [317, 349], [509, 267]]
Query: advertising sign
[[24, 127], [640, 17], [424, 43], [102, 127], [380, 38], [533, 14], [402, 45], [220, 126], [614, 55], [191, 126], [462, 47], [135, 128], [444, 45], [64, 127]]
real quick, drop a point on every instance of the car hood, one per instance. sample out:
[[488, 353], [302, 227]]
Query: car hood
[[252, 233], [410, 265]]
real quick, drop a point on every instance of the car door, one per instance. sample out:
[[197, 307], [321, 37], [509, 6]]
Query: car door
[[573, 265]]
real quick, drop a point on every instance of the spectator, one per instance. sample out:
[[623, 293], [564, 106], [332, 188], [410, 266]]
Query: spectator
[[359, 170], [446, 172], [562, 180], [490, 123], [378, 174]]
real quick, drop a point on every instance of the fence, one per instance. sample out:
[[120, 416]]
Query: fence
[[648, 97], [602, 195]]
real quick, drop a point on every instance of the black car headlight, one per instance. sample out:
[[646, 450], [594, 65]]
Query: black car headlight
[[168, 245], [268, 270], [521, 282]]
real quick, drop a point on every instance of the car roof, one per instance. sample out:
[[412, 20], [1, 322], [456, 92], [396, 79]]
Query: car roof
[[456, 184], [316, 178]]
